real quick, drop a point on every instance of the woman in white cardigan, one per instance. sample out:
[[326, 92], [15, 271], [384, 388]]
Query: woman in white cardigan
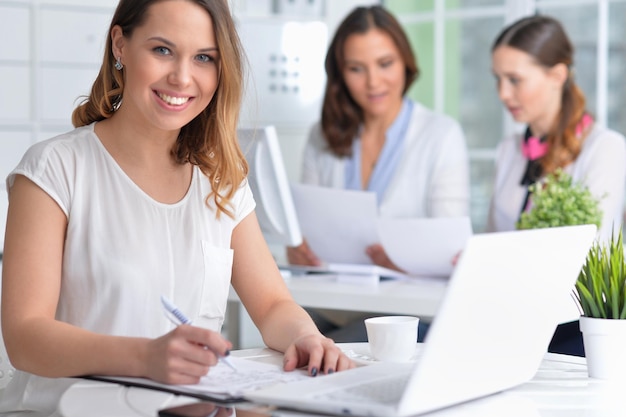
[[371, 137]]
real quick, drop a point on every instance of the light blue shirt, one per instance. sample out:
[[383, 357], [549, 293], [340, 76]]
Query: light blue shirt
[[388, 159]]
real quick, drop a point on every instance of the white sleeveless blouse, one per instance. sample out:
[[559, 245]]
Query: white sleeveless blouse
[[124, 250]]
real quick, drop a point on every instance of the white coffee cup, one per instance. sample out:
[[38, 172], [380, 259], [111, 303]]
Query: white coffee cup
[[392, 338]]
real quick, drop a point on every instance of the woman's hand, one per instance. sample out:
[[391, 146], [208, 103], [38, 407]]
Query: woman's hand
[[378, 255], [302, 255], [184, 355], [318, 353]]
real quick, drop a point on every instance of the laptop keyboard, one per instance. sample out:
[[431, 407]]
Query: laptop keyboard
[[382, 391]]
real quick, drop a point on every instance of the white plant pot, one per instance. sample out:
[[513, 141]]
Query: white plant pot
[[605, 344]]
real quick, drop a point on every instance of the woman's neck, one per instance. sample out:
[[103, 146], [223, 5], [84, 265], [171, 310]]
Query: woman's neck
[[545, 124], [381, 122]]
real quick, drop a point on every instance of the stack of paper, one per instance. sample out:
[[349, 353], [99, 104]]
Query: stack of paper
[[340, 224]]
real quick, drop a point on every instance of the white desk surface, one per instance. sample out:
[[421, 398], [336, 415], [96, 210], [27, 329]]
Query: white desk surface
[[419, 296], [561, 388]]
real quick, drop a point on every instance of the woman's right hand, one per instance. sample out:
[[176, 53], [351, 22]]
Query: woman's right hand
[[302, 255], [184, 355]]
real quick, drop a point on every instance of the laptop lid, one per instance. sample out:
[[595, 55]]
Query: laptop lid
[[499, 313], [491, 332]]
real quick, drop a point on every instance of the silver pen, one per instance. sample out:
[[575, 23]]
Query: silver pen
[[174, 312]]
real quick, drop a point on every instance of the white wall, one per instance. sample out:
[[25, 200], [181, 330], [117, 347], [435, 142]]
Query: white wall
[[50, 54]]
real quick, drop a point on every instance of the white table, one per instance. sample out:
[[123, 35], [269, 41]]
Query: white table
[[560, 388], [419, 297]]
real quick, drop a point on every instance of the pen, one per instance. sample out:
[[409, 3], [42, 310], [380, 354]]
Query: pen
[[173, 311]]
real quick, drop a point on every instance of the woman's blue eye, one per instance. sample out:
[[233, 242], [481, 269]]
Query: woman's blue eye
[[205, 58], [162, 50]]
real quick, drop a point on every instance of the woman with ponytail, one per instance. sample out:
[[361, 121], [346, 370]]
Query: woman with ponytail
[[533, 65]]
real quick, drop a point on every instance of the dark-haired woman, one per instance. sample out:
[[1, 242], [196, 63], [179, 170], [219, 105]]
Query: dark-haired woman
[[371, 137], [533, 65], [532, 61]]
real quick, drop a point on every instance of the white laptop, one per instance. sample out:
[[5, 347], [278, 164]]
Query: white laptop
[[490, 333]]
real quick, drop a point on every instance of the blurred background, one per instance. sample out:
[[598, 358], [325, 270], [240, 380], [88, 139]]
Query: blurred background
[[51, 51]]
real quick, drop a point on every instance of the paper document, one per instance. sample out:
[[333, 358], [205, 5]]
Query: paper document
[[339, 225], [345, 269], [222, 383], [251, 375], [425, 247]]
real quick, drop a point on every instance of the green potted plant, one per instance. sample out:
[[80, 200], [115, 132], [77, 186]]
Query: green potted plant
[[559, 201], [600, 289], [601, 294], [601, 285]]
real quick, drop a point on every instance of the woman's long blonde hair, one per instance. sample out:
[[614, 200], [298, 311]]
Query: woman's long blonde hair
[[210, 139]]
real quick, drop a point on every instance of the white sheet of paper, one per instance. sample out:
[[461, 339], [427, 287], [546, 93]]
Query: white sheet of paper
[[424, 247], [222, 383], [337, 224], [251, 375]]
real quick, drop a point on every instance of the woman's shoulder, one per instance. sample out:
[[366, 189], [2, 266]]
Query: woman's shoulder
[[420, 112], [316, 141], [603, 138], [603, 134], [427, 126], [55, 160], [64, 143], [316, 136], [63, 146]]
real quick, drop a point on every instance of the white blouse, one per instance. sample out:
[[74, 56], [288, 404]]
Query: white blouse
[[124, 250], [432, 177], [601, 166]]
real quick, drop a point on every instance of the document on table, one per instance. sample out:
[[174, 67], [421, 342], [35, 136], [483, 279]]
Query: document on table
[[221, 383], [344, 270], [340, 224]]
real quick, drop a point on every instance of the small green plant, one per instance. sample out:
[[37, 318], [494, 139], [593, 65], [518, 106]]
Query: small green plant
[[601, 285], [559, 201]]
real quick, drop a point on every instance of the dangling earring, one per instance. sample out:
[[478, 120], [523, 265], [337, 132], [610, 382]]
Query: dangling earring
[[118, 64]]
